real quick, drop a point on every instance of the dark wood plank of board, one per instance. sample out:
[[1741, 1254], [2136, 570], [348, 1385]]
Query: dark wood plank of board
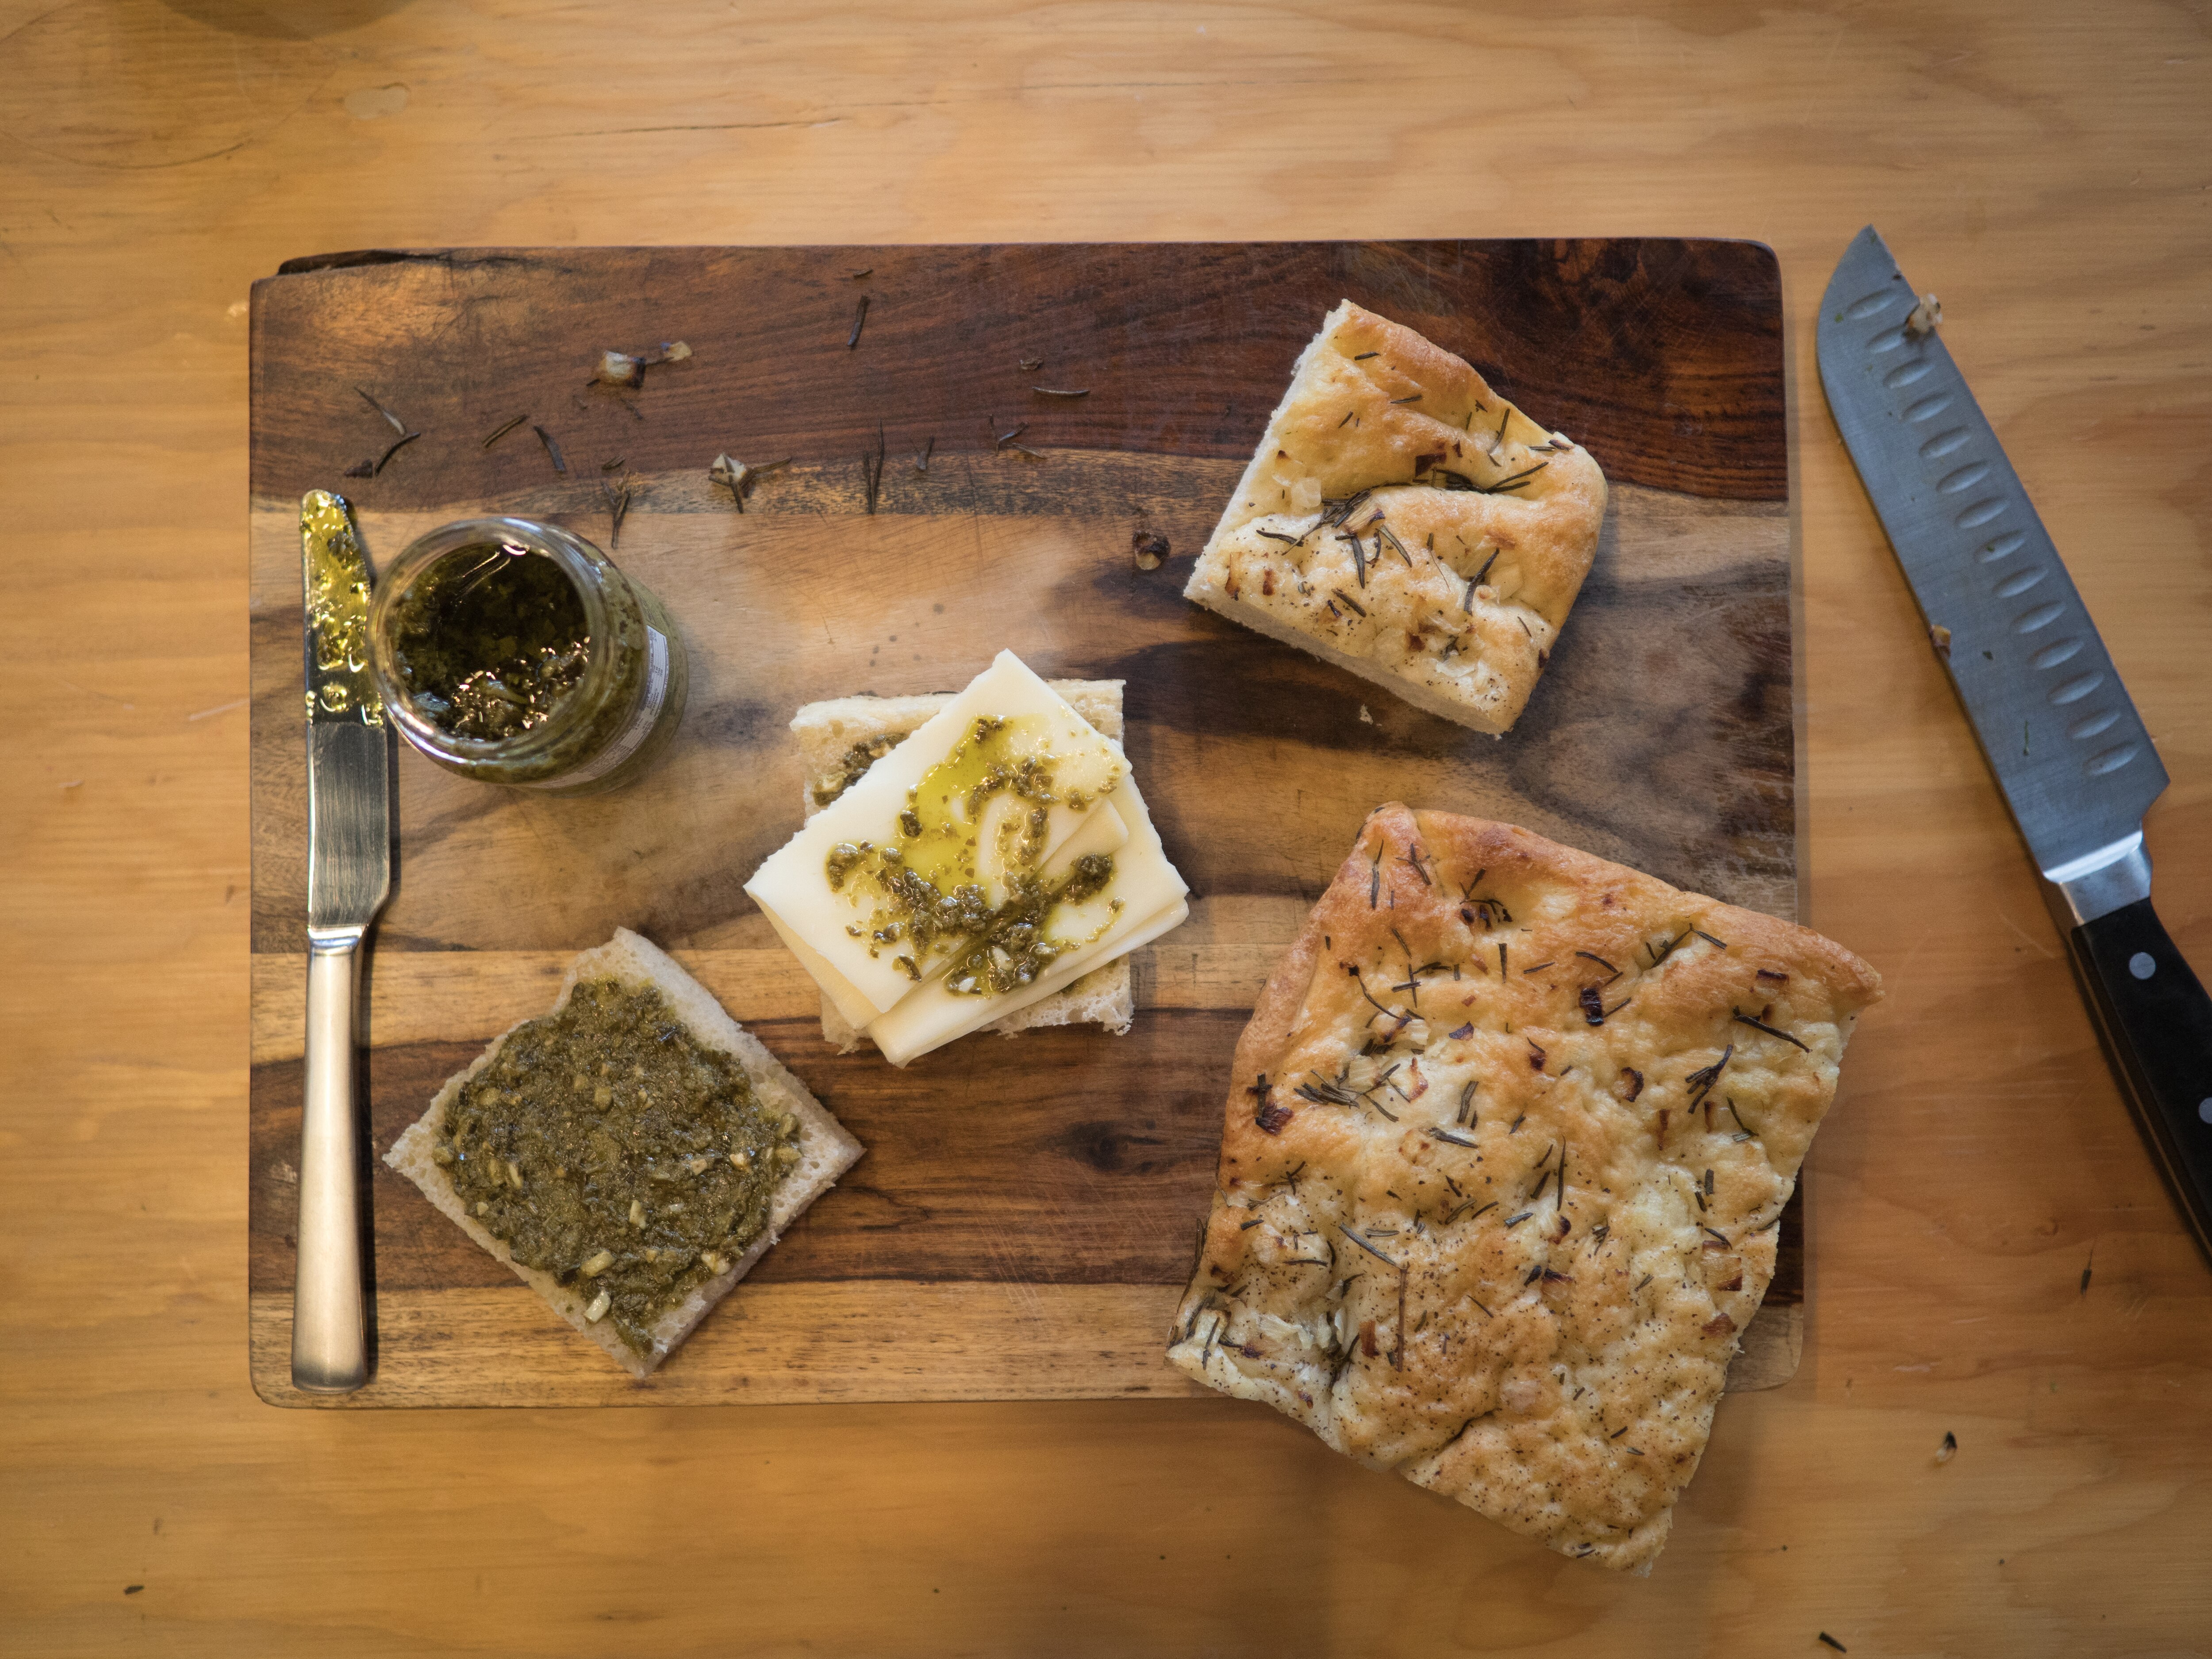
[[1036, 1182], [1661, 355], [1662, 735], [1013, 1192]]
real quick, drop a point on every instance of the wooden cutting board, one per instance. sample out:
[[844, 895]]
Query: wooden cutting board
[[1021, 1225]]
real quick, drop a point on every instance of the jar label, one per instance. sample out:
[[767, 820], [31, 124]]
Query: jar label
[[625, 741]]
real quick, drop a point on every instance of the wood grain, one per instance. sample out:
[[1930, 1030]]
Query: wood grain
[[2040, 168], [1091, 1156], [1660, 355]]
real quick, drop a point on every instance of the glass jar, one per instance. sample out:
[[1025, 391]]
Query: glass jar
[[564, 676]]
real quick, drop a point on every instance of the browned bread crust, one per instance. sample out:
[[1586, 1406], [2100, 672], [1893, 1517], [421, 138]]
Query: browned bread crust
[[1507, 1139], [1491, 522]]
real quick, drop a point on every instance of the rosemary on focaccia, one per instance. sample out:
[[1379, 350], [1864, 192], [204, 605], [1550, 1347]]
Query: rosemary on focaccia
[[1507, 1139], [1403, 521]]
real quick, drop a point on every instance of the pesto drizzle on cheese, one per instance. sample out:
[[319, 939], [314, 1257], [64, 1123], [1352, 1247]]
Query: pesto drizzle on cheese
[[926, 891], [853, 765], [1015, 943]]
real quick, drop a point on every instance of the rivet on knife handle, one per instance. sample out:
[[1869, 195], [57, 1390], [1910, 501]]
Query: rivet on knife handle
[[348, 874], [2155, 1022]]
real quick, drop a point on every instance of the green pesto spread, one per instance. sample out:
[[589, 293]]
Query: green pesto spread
[[489, 641], [853, 766], [610, 1148], [929, 898], [1012, 945]]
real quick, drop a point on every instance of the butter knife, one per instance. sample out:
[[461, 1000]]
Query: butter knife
[[348, 875], [2076, 767]]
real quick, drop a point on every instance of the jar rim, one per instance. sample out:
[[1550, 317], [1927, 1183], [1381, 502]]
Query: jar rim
[[587, 570]]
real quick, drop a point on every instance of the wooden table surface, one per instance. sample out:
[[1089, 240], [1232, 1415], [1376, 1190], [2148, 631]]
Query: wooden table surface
[[1991, 1252]]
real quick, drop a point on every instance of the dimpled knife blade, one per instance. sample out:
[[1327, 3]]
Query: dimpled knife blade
[[348, 874], [2076, 767], [2076, 764]]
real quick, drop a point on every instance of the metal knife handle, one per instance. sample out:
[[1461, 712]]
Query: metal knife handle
[[329, 1345], [2155, 1022]]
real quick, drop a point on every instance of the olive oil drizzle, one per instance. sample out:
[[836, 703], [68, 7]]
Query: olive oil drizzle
[[926, 891]]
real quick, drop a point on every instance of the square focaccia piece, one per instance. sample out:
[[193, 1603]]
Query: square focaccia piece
[[841, 739], [1507, 1142], [1402, 520]]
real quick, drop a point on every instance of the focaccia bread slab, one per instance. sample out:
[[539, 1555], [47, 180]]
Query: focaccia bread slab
[[1402, 520], [1507, 1141], [828, 733], [826, 1150]]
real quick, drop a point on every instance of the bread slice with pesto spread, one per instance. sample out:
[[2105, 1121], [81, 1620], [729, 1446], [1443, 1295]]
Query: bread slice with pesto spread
[[424, 1153], [839, 740]]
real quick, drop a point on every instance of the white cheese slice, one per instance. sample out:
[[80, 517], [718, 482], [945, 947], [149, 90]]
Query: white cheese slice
[[1102, 831], [905, 1036], [1153, 900], [857, 1009], [792, 885]]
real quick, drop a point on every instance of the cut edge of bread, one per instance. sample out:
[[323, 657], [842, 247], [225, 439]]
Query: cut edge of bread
[[1203, 591], [827, 1150], [825, 730]]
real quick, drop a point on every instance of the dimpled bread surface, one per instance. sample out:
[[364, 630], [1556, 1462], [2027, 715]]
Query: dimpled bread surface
[[1504, 1157], [1491, 522]]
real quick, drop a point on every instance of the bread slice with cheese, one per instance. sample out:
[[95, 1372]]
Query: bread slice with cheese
[[1403, 521], [1507, 1141], [837, 740], [826, 1150]]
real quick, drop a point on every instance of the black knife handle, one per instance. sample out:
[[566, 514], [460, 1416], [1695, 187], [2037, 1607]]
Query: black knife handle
[[2155, 1022]]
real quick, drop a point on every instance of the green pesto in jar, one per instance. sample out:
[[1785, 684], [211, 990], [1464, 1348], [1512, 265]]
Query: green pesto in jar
[[929, 899], [610, 1148], [489, 641]]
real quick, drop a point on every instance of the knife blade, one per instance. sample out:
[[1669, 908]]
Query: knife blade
[[2070, 754], [348, 875]]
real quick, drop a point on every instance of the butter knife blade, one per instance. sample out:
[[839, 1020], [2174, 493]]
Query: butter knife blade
[[348, 739], [350, 753]]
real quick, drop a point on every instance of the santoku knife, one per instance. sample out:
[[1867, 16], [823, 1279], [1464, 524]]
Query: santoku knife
[[2075, 763], [348, 874]]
